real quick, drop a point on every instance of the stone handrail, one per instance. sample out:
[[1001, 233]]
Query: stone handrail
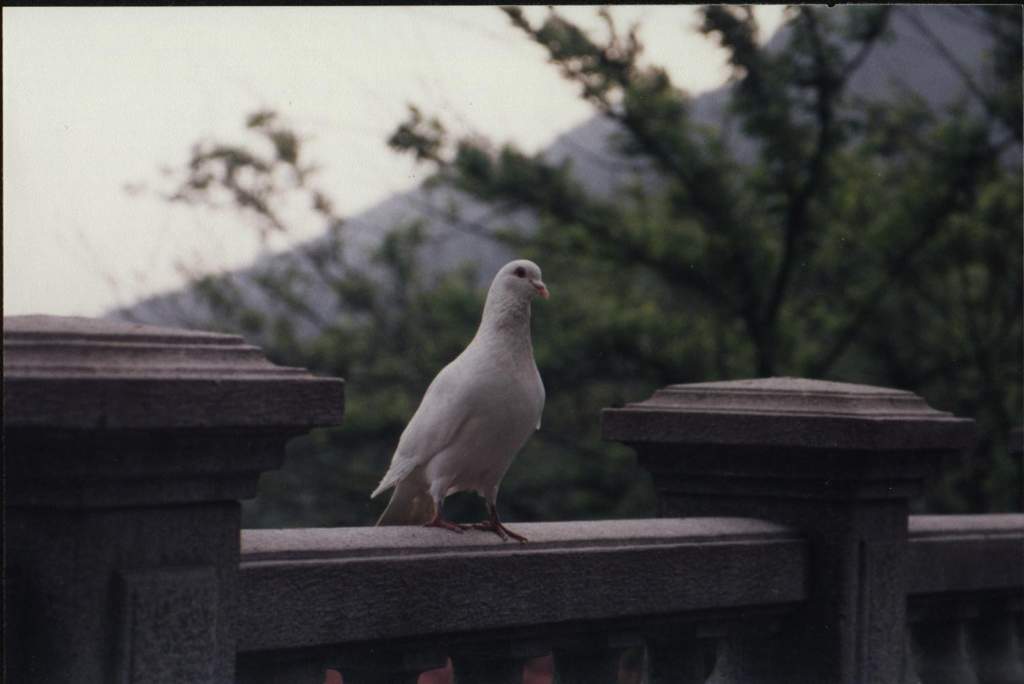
[[965, 553], [610, 584], [342, 588], [966, 599], [785, 551]]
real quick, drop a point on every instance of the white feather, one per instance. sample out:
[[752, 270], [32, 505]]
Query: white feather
[[479, 410]]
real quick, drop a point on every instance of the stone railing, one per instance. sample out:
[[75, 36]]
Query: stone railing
[[965, 598], [127, 451], [402, 600], [785, 552]]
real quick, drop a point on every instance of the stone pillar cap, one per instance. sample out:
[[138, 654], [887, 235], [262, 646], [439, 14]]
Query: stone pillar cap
[[84, 373], [788, 412]]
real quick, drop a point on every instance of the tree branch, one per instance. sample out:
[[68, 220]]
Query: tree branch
[[899, 267], [796, 211], [960, 69], [710, 204], [828, 88], [869, 42]]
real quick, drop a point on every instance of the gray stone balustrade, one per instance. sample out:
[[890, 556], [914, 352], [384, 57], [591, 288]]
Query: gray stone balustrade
[[127, 449], [718, 592], [785, 552], [413, 582], [839, 463], [583, 588], [966, 599]]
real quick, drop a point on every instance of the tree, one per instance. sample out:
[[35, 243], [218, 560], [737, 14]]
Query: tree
[[867, 241], [856, 221]]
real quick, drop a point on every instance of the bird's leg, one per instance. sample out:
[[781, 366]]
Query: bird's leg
[[492, 524], [439, 521]]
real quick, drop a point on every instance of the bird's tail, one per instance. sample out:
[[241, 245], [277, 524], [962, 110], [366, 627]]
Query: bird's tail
[[410, 505]]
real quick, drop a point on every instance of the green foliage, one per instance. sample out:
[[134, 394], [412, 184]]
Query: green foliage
[[870, 242], [420, 136]]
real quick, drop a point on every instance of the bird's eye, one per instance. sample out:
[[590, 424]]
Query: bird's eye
[[520, 272]]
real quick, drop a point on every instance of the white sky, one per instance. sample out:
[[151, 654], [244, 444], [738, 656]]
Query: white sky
[[95, 98]]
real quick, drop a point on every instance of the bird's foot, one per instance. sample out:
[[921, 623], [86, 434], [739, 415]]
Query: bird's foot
[[438, 521], [497, 528]]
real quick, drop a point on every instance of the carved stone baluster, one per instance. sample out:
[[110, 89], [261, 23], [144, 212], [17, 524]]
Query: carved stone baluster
[[939, 650], [633, 665], [593, 659], [752, 654], [389, 665], [280, 669], [354, 676], [995, 648], [683, 657], [910, 675], [494, 662]]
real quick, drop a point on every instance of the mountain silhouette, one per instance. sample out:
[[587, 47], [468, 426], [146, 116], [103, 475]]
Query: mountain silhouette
[[910, 60]]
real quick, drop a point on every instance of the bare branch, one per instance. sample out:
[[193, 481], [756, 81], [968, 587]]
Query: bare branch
[[900, 267], [956, 65]]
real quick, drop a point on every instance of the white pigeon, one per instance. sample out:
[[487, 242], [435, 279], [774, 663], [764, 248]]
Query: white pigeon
[[476, 415]]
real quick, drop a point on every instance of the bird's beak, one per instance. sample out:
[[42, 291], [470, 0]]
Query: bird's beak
[[542, 289]]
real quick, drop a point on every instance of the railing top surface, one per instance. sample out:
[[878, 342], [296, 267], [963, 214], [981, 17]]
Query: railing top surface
[[353, 542], [85, 373], [963, 554], [302, 588], [975, 526], [318, 586]]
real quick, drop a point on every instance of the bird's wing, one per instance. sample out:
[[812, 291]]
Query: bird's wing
[[543, 397], [445, 408]]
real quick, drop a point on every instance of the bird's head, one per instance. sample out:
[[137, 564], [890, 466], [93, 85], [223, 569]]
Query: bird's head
[[522, 277]]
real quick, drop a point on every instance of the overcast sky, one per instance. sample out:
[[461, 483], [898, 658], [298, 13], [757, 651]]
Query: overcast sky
[[97, 98]]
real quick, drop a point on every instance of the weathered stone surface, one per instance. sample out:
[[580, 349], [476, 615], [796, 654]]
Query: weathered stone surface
[[334, 543], [786, 412], [966, 554], [81, 373], [168, 606], [295, 668], [498, 661], [74, 596], [837, 462], [588, 658], [308, 587], [996, 655], [939, 652], [126, 451], [681, 658], [387, 664], [100, 413], [93, 469]]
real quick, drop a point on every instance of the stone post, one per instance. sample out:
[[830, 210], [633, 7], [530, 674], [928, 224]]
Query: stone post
[[127, 451], [837, 461]]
